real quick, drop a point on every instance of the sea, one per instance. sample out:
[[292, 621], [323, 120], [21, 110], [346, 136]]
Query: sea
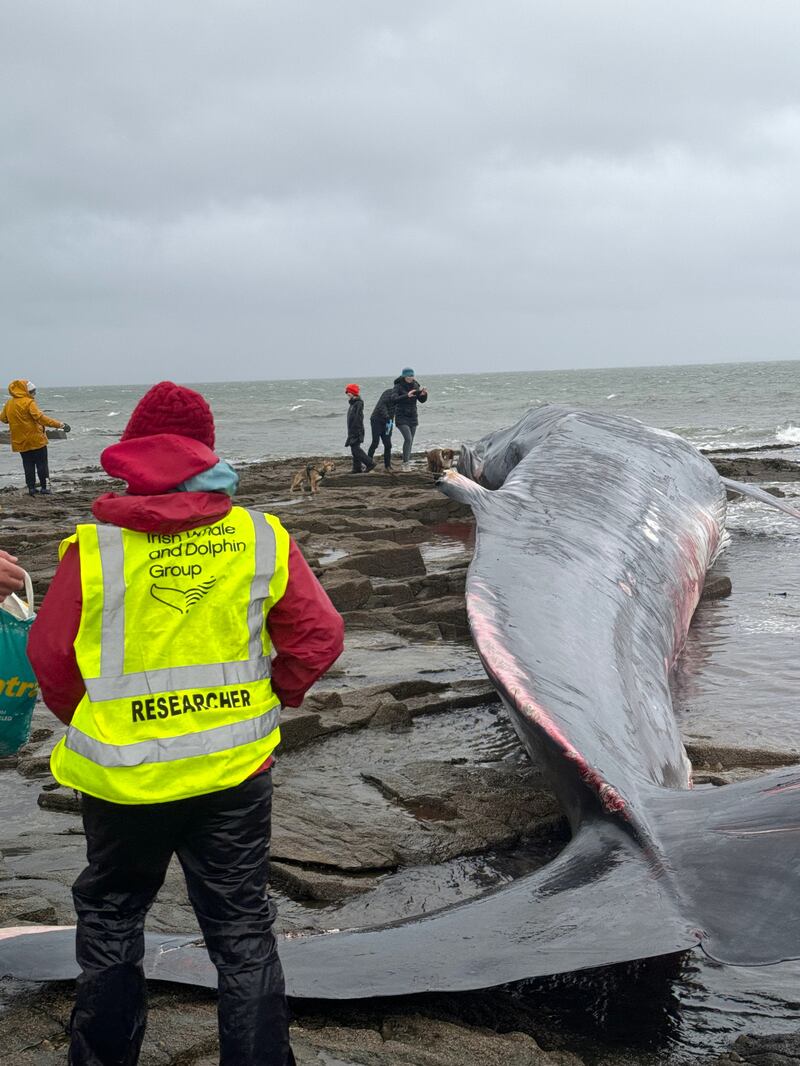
[[721, 405], [738, 679]]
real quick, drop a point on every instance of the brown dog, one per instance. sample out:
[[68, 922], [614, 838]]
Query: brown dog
[[311, 475], [440, 459]]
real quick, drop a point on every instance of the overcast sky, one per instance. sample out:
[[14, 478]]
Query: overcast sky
[[211, 190]]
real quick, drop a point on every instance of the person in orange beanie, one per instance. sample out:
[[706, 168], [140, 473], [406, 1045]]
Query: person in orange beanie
[[355, 430]]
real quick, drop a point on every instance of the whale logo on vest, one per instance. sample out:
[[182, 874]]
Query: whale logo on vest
[[181, 600]]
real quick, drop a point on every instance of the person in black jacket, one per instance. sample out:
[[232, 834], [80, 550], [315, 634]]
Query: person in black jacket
[[408, 393], [355, 431], [382, 423]]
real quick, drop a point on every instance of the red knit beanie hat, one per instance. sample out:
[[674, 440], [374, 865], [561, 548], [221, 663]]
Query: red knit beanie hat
[[171, 408], [353, 389]]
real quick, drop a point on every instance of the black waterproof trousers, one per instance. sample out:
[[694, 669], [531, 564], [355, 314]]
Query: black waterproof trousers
[[222, 842], [35, 464], [379, 434], [360, 458]]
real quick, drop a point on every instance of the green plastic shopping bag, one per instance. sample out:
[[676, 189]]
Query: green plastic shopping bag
[[18, 686]]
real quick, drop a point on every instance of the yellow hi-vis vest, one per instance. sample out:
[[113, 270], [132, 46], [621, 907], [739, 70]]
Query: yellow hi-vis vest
[[175, 655]]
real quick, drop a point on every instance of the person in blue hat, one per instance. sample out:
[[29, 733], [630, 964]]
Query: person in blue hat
[[408, 393]]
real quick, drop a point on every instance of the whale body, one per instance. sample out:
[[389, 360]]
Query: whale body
[[593, 537]]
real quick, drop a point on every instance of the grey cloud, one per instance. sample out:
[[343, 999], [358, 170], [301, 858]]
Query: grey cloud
[[256, 189]]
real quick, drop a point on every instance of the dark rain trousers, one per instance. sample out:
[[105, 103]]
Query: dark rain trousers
[[360, 458], [222, 842], [35, 464], [379, 434]]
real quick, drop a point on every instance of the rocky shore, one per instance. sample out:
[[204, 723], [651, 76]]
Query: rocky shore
[[400, 785]]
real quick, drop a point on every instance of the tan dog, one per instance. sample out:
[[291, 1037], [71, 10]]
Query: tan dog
[[440, 459], [311, 475]]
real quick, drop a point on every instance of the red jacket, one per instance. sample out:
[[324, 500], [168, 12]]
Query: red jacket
[[305, 628]]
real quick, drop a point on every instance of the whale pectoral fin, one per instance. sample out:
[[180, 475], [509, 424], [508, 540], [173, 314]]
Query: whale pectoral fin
[[597, 903], [755, 493], [462, 489]]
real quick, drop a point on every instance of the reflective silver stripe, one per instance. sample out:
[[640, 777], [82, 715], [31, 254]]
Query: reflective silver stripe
[[266, 550], [175, 678], [168, 749], [114, 683], [112, 562]]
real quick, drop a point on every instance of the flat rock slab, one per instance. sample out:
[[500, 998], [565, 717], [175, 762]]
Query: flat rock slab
[[420, 1041], [299, 727], [301, 882], [387, 560], [426, 812], [467, 809], [707, 756], [181, 1028], [35, 909], [182, 1031], [348, 589], [323, 832], [752, 468], [65, 800]]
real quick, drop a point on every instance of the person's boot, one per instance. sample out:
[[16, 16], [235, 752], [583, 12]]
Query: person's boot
[[32, 492], [45, 492]]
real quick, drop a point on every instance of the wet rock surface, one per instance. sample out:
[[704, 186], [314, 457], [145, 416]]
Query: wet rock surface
[[420, 1041], [781, 1050], [399, 787], [717, 586], [756, 467], [182, 1032]]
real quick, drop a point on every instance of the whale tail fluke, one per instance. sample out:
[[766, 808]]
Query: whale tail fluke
[[554, 920], [730, 884], [736, 852]]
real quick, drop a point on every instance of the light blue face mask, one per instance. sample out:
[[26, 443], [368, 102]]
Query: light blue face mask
[[220, 478]]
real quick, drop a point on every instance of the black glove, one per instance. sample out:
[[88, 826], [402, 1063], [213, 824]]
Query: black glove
[[66, 427]]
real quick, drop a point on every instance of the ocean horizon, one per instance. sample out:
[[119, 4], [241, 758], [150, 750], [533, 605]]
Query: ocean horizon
[[725, 405]]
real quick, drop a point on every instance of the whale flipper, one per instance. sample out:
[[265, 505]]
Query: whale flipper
[[755, 493]]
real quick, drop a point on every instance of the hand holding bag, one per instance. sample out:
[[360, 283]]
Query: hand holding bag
[[18, 685]]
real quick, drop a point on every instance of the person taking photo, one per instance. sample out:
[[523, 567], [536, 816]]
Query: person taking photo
[[408, 393]]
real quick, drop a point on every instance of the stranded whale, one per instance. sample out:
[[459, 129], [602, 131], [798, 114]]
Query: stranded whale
[[594, 534]]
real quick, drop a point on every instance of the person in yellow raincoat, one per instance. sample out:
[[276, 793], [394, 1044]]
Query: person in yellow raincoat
[[26, 422]]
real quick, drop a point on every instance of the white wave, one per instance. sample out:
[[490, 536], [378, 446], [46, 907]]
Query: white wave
[[611, 396], [111, 414], [788, 434]]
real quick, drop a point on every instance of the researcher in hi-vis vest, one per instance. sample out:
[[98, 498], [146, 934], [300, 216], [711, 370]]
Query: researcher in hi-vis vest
[[174, 630]]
